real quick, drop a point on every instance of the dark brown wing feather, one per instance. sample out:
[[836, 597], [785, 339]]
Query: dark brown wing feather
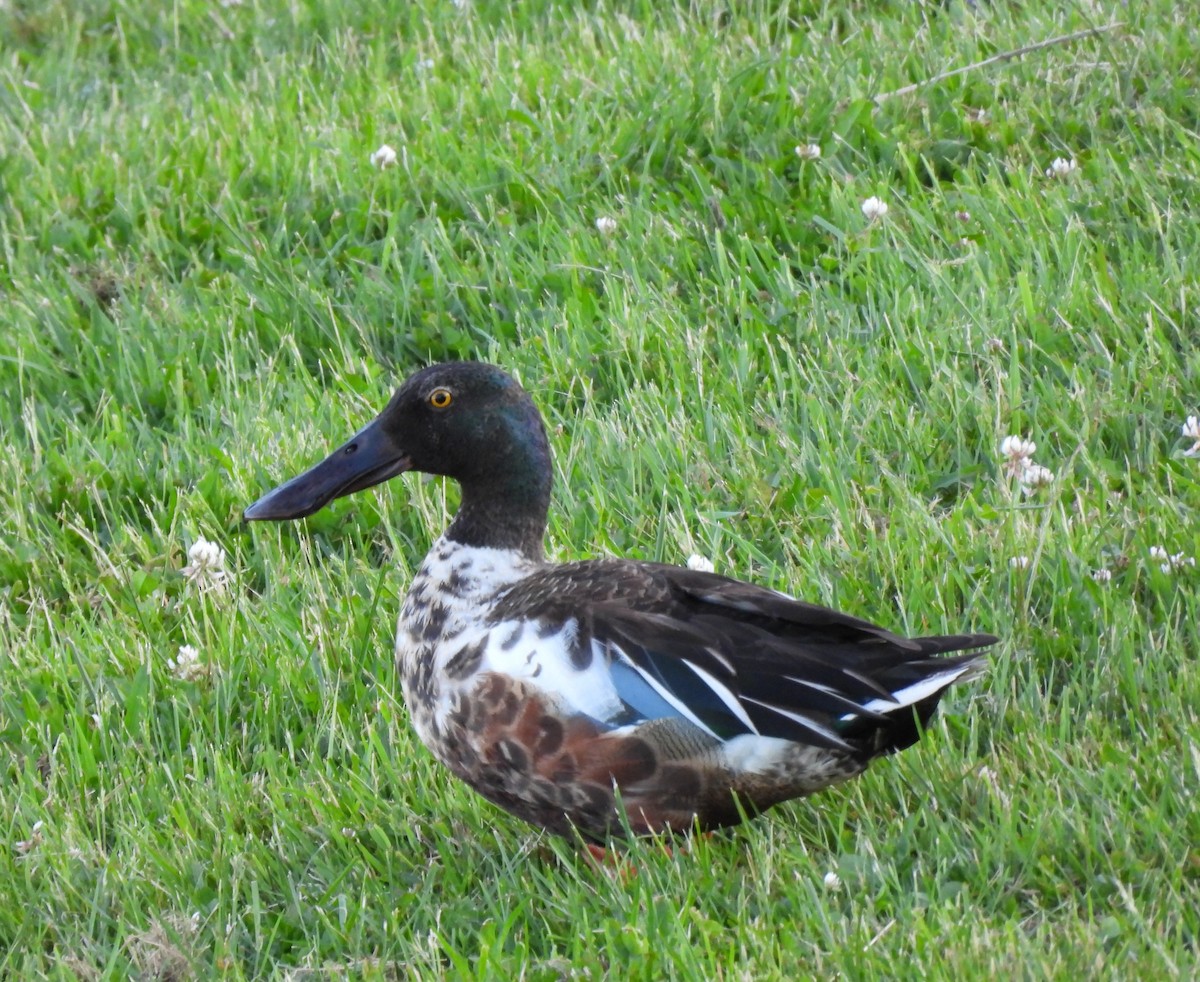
[[738, 658]]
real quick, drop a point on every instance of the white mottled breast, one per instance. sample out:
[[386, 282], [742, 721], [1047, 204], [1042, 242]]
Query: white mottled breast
[[447, 610]]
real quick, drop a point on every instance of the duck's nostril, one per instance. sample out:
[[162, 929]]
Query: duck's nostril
[[352, 448]]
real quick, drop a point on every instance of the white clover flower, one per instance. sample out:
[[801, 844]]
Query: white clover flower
[[1035, 477], [992, 780], [206, 554], [606, 225], [809, 151], [1168, 562], [1062, 167], [874, 208], [385, 156], [206, 565], [25, 846], [425, 65], [186, 666], [1016, 454], [1019, 562], [700, 563], [1191, 431], [995, 345], [963, 215], [1102, 575], [832, 880]]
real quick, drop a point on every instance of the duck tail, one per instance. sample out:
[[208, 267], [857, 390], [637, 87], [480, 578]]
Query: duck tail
[[915, 695]]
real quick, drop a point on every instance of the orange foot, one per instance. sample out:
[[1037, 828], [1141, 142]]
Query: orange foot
[[609, 860]]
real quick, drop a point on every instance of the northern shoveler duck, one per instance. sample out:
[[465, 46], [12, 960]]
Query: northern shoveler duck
[[570, 693]]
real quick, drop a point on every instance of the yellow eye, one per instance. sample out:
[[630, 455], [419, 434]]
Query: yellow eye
[[440, 398]]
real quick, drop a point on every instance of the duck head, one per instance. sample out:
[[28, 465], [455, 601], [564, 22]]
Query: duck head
[[465, 420]]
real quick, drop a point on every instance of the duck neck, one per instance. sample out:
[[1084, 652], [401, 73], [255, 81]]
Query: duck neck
[[506, 500], [488, 520]]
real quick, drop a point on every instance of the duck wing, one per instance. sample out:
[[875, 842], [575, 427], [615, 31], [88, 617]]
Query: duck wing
[[734, 658]]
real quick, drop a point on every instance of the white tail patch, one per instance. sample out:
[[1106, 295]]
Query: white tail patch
[[910, 695], [755, 754]]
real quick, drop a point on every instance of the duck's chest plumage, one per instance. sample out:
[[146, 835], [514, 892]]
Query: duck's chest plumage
[[520, 708], [453, 635]]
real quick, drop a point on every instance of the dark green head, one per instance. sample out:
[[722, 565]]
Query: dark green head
[[464, 420]]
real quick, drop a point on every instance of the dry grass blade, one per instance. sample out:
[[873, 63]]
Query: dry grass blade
[[998, 59]]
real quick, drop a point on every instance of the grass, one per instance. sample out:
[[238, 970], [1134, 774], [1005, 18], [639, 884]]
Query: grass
[[206, 285]]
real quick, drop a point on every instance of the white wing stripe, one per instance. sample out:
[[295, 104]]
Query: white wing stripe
[[869, 683], [725, 695], [665, 693], [723, 660], [836, 696], [815, 727], [807, 683]]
